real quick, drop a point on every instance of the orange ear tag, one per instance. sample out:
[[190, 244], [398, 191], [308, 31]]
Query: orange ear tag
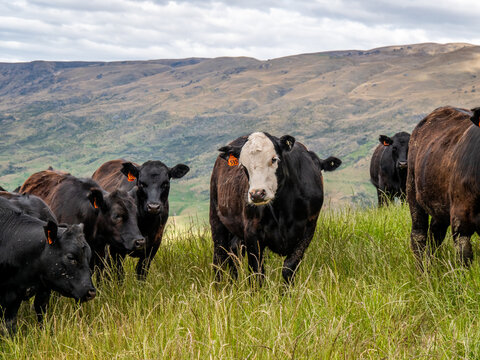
[[49, 238], [385, 143], [130, 177], [95, 203], [232, 161]]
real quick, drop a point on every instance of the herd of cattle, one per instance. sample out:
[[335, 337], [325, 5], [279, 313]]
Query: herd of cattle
[[57, 229]]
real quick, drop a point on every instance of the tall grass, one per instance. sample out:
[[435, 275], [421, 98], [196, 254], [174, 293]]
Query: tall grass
[[357, 295]]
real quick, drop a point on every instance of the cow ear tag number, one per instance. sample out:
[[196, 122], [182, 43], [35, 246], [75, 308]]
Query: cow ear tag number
[[232, 161], [49, 237], [130, 177]]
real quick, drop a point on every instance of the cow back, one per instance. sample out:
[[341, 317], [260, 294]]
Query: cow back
[[439, 160], [110, 177]]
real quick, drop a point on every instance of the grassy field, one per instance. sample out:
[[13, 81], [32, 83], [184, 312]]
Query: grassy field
[[357, 295]]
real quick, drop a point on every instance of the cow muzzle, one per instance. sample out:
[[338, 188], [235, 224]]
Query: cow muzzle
[[139, 244], [154, 208], [258, 196], [90, 295], [402, 164]]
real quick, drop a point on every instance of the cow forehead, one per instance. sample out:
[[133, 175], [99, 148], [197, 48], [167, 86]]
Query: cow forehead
[[153, 173], [258, 146]]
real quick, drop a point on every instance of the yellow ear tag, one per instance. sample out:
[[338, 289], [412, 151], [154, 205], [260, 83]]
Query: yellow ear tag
[[95, 203], [49, 238], [130, 177], [232, 161], [385, 143]]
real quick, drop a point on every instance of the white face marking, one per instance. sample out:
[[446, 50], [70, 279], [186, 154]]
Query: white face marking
[[256, 156]]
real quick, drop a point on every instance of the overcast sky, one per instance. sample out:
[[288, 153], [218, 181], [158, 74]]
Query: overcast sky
[[156, 29]]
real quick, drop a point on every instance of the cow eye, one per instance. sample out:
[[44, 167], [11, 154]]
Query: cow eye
[[165, 185], [275, 159], [72, 259]]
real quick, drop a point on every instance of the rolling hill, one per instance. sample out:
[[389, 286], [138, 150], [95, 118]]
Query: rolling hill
[[76, 115]]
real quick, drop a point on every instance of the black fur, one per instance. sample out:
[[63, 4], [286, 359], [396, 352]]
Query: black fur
[[37, 257]]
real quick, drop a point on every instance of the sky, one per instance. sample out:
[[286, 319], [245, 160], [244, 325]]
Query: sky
[[111, 30]]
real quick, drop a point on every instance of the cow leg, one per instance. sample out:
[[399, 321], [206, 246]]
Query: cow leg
[[292, 261], [97, 262], [438, 230], [255, 256], [40, 303], [461, 236], [222, 246], [115, 262], [145, 261], [10, 315], [418, 236], [382, 200]]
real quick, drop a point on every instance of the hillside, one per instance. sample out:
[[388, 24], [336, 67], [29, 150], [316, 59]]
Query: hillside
[[76, 115]]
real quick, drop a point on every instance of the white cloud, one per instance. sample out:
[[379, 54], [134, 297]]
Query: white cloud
[[138, 29]]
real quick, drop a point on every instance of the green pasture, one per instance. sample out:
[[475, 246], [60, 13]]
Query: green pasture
[[357, 295]]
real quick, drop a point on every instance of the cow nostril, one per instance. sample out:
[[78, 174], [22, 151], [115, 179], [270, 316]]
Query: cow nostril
[[153, 206], [91, 294], [139, 243], [258, 195]]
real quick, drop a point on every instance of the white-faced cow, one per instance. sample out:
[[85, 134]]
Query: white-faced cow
[[444, 180], [265, 192], [149, 186], [388, 167]]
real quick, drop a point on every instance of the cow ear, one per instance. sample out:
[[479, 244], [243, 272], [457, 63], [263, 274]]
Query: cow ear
[[287, 142], [226, 151], [96, 199], [130, 171], [178, 171], [51, 232], [476, 115], [331, 163], [385, 140]]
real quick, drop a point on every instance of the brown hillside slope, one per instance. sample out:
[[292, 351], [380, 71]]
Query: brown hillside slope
[[77, 115]]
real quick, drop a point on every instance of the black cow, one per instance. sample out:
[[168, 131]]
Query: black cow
[[388, 167], [265, 192], [37, 257], [30, 204], [149, 185], [109, 218]]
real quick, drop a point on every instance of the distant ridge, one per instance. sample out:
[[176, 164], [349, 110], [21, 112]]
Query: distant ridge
[[76, 115]]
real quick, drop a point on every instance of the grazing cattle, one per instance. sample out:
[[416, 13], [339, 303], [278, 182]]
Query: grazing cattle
[[37, 257], [149, 185], [265, 192], [109, 218], [31, 205], [444, 180], [388, 167]]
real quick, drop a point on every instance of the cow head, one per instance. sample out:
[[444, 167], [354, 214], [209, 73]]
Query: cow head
[[261, 156], [153, 184], [397, 148], [117, 219], [65, 261]]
